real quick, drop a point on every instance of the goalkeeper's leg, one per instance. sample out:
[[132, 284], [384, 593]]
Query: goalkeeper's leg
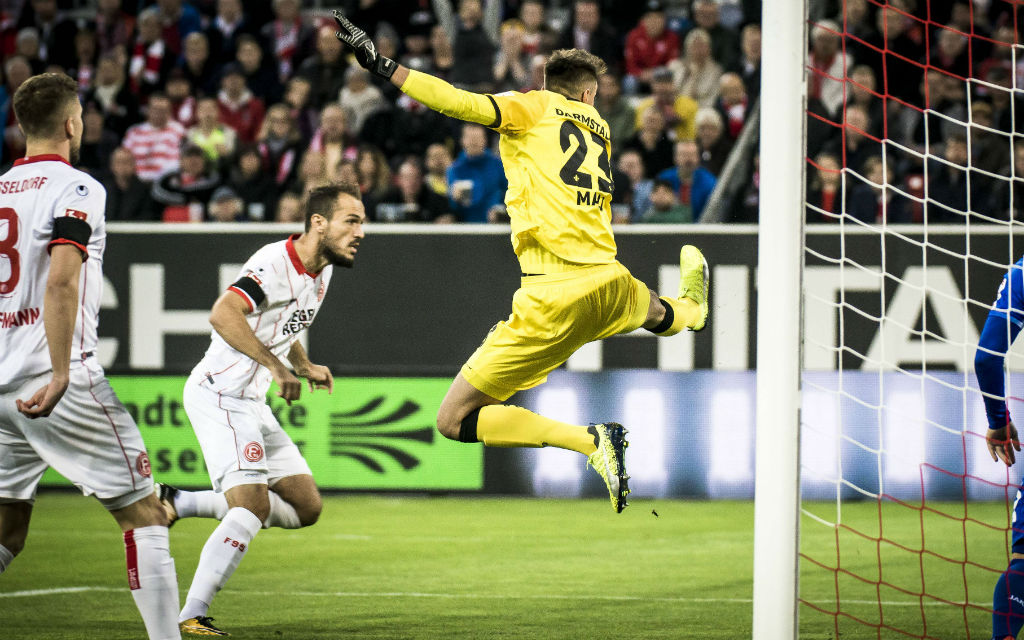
[[1008, 601]]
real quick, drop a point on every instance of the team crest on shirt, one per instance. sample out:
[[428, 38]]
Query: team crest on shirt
[[142, 465], [75, 213], [255, 278], [253, 452]]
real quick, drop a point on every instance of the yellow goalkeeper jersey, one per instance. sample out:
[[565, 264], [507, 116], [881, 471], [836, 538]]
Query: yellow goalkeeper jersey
[[556, 153]]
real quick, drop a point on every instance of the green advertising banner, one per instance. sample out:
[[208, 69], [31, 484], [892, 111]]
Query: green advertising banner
[[371, 433]]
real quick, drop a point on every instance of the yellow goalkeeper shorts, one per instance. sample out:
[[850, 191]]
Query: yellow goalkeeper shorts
[[553, 316]]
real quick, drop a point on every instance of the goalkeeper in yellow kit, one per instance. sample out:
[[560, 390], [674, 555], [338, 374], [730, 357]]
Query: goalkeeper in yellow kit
[[556, 152]]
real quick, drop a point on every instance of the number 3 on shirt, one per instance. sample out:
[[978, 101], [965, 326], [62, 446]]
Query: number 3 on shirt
[[570, 173], [8, 250]]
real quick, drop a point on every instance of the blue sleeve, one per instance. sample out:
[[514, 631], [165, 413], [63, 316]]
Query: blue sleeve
[[996, 337], [704, 184]]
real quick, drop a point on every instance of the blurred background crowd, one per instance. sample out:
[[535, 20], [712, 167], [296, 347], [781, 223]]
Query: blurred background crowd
[[230, 111]]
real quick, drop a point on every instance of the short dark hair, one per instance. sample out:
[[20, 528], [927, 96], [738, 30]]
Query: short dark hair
[[568, 71], [321, 200], [43, 102]]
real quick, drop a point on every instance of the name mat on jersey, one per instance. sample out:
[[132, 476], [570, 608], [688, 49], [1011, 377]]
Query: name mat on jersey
[[300, 319]]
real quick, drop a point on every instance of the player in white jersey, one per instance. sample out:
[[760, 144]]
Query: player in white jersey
[[259, 477], [56, 407]]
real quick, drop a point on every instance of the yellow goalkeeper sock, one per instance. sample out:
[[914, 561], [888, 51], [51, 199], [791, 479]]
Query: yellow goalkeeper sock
[[680, 313], [502, 425]]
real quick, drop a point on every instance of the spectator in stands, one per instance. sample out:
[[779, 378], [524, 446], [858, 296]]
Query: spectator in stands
[[538, 37], [892, 54], [359, 98], [732, 103], [177, 21], [1001, 57], [417, 53], [312, 174], [651, 142], [411, 200], [873, 200], [226, 28], [255, 186], [289, 209], [334, 139], [260, 78], [183, 103], [216, 139], [828, 66], [296, 97], [280, 145], [197, 65], [27, 45], [288, 38], [474, 37], [443, 59], [649, 45], [476, 178], [325, 69], [116, 101], [511, 63], [437, 160], [748, 65], [824, 189], [98, 142], [665, 206], [678, 111], [114, 27], [151, 59], [691, 182], [615, 109], [989, 148], [713, 144], [226, 206], [951, 52], [725, 47], [127, 196], [373, 175], [16, 71], [1007, 200], [952, 189], [155, 143], [861, 90], [239, 108], [946, 98], [56, 33], [746, 208], [631, 163], [589, 32], [189, 186], [853, 144], [696, 73], [86, 56]]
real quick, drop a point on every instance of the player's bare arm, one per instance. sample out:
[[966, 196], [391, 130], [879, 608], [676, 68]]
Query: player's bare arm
[[59, 310], [1002, 443], [228, 320], [317, 375]]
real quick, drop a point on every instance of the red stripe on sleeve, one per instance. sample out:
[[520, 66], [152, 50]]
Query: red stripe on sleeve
[[131, 559], [245, 296], [78, 245]]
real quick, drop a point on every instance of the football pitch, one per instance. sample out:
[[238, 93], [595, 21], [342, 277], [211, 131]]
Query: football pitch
[[382, 566]]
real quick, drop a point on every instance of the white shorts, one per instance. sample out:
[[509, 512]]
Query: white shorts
[[242, 441], [90, 439]]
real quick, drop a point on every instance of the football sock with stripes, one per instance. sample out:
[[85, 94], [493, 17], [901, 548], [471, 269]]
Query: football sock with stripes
[[282, 514], [6, 557], [221, 555], [200, 504], [1008, 601], [152, 580], [680, 314], [501, 425]]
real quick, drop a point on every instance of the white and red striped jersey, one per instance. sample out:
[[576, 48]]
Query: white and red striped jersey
[[283, 299], [156, 151], [45, 201]]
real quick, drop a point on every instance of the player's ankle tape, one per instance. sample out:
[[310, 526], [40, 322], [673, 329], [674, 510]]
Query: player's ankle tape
[[666, 323], [467, 432]]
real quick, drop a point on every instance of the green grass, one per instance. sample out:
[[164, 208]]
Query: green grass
[[459, 567]]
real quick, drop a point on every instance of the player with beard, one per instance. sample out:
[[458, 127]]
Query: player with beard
[[56, 407], [260, 478]]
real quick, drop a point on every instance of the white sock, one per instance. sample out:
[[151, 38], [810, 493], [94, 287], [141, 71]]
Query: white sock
[[5, 558], [221, 555], [282, 514], [153, 581], [200, 504]]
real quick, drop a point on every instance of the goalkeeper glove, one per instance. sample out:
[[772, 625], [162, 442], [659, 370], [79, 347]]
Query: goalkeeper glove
[[366, 53]]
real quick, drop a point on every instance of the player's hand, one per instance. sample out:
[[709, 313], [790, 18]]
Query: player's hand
[[362, 46], [288, 385], [1002, 445], [319, 377], [42, 402]]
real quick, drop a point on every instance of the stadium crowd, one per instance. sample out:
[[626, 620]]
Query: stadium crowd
[[219, 110]]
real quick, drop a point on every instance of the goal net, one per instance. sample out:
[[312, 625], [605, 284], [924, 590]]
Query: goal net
[[915, 171]]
